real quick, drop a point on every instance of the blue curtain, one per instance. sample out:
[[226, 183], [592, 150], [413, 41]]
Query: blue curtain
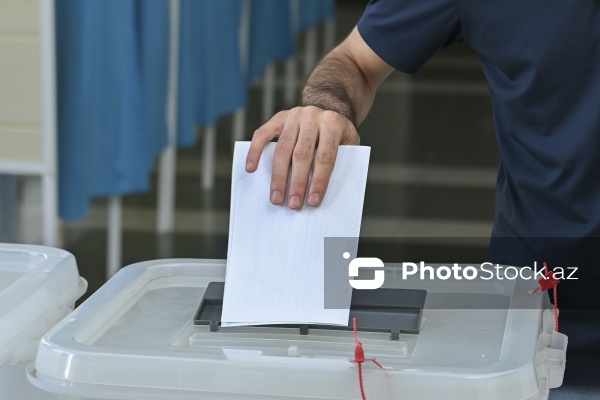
[[211, 82], [111, 93], [313, 12], [154, 34], [271, 37]]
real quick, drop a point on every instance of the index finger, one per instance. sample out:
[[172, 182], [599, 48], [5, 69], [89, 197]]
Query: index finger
[[263, 135]]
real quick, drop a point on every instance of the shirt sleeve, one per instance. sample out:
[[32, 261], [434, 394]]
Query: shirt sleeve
[[407, 33]]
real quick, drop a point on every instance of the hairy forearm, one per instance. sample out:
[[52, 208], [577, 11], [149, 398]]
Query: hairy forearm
[[338, 84]]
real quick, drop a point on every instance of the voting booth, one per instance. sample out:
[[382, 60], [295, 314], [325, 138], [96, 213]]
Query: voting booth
[[38, 287], [135, 338]]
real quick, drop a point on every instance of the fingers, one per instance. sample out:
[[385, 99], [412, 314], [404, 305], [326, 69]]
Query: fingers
[[333, 132], [302, 157], [283, 155], [308, 137], [263, 135]]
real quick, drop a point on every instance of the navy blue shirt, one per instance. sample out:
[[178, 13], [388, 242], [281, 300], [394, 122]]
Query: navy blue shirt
[[542, 62]]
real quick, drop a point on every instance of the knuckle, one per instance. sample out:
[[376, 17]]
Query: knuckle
[[281, 158], [277, 185], [307, 130], [257, 134], [331, 117], [308, 135], [301, 153], [329, 137], [297, 187], [281, 153], [283, 140], [311, 109], [280, 114], [319, 184], [306, 142], [296, 111], [278, 179], [326, 157]]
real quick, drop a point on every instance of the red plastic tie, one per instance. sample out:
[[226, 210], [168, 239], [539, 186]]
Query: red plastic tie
[[359, 358], [549, 281]]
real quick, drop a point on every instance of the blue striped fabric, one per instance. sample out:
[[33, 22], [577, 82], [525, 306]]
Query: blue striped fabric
[[313, 12], [110, 128], [271, 37], [211, 82], [154, 38]]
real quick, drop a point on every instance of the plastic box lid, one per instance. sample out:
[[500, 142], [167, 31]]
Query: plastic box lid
[[36, 286], [135, 339]]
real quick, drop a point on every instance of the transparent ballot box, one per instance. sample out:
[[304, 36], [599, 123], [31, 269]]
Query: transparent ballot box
[[136, 338], [38, 288]]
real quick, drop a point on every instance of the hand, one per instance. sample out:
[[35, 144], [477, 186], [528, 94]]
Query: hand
[[301, 131]]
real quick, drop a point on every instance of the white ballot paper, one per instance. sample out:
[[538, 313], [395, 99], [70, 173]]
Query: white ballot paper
[[275, 263]]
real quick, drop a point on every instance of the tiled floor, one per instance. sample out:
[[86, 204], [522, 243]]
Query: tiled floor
[[432, 175]]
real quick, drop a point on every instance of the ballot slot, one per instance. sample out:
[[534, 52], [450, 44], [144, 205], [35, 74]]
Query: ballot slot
[[397, 311]]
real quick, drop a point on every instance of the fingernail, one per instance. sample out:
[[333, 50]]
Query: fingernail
[[314, 199], [249, 165], [276, 197], [295, 202]]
